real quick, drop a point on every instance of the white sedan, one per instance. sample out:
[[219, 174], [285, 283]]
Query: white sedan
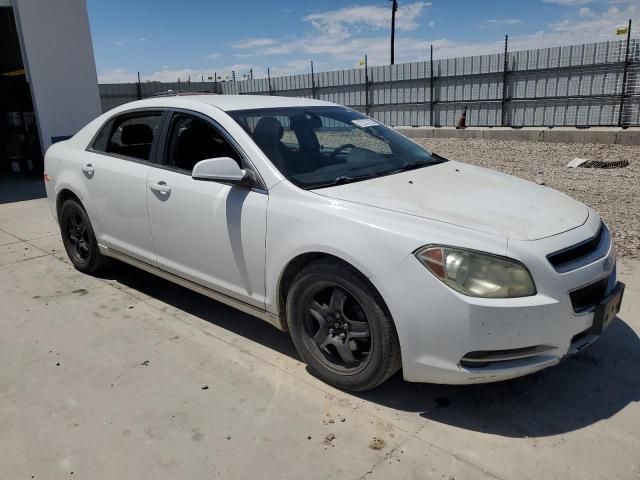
[[374, 253]]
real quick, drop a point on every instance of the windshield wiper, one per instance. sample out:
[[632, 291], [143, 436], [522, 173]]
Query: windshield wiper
[[414, 165], [435, 159], [341, 181]]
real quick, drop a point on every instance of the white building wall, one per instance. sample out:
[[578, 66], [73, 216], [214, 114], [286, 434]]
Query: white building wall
[[59, 63]]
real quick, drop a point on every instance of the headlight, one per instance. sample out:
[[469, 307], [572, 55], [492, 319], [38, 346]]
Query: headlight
[[477, 274]]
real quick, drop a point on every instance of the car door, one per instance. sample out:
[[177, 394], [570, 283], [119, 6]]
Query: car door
[[115, 170], [208, 232]]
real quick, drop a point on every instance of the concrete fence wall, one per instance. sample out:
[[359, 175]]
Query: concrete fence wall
[[576, 85], [114, 94], [570, 86]]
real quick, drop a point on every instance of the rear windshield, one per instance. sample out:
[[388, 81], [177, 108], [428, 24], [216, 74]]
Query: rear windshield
[[317, 147]]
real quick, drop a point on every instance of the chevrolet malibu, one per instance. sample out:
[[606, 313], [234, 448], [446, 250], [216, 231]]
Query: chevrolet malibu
[[374, 253]]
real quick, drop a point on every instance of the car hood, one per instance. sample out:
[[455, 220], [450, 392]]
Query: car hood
[[471, 197]]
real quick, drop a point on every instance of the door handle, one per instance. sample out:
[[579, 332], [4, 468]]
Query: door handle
[[88, 170], [161, 188]]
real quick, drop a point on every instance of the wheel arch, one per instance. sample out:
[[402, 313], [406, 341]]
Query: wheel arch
[[66, 190], [301, 261], [66, 194]]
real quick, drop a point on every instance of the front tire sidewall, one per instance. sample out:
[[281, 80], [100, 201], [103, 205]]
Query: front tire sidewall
[[379, 362]]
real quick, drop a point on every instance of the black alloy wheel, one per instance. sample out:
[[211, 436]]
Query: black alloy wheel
[[78, 235], [341, 327], [337, 329]]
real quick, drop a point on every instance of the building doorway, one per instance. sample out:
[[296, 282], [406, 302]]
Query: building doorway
[[21, 160]]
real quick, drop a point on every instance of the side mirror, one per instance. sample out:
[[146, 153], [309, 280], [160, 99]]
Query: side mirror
[[222, 169]]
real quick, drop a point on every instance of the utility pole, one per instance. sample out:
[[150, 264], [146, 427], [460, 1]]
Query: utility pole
[[394, 9], [313, 82], [431, 86], [366, 86], [624, 77], [505, 70]]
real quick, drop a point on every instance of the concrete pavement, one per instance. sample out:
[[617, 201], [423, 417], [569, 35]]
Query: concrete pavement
[[104, 378]]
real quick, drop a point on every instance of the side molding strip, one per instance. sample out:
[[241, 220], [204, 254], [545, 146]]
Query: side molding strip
[[268, 317]]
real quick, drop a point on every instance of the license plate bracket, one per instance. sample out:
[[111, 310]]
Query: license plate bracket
[[607, 309]]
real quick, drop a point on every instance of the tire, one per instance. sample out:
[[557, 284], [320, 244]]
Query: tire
[[79, 239], [341, 353]]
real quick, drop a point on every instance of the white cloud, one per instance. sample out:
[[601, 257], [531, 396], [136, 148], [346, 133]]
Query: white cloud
[[214, 55], [125, 41], [121, 75], [568, 3], [500, 22], [255, 42], [117, 75], [166, 74], [264, 46], [346, 34], [585, 12], [336, 22]]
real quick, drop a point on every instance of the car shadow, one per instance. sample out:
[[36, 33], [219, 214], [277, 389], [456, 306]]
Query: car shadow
[[201, 306], [582, 390]]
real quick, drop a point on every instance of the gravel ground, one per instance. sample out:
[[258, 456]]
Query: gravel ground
[[614, 193]]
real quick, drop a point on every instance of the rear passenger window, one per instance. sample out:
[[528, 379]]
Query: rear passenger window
[[130, 135]]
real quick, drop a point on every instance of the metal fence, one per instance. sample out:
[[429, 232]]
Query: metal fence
[[114, 94], [576, 85], [595, 84]]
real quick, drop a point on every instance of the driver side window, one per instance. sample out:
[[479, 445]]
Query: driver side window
[[191, 140]]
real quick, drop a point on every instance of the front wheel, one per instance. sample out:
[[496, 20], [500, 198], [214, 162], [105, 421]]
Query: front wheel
[[341, 327]]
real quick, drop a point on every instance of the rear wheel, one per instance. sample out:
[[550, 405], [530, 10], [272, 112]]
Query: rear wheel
[[341, 327], [78, 238]]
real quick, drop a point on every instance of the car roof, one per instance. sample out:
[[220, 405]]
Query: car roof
[[230, 102]]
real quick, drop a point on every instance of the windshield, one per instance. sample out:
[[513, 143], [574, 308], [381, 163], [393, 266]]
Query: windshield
[[317, 147]]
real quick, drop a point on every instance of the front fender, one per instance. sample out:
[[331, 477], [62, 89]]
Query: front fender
[[372, 240]]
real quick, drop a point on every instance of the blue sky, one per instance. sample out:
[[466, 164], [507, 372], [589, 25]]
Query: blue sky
[[165, 39]]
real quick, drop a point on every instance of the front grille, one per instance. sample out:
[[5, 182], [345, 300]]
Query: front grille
[[582, 253], [587, 297]]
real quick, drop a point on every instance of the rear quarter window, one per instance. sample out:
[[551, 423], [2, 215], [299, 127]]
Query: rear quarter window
[[100, 142], [130, 135]]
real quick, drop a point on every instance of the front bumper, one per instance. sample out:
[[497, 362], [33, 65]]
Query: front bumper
[[444, 334]]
